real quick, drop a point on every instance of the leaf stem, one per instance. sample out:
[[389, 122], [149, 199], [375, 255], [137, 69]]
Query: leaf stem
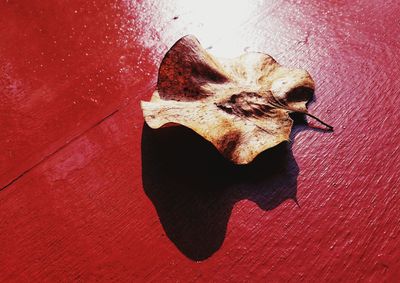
[[319, 120]]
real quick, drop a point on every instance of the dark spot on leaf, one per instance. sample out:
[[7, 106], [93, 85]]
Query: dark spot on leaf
[[300, 94]]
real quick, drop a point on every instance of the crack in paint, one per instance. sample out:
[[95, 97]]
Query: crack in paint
[[46, 157]]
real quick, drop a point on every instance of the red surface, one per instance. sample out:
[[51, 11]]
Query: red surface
[[89, 194]]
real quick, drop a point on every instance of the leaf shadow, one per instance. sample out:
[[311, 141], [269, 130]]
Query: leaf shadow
[[194, 188]]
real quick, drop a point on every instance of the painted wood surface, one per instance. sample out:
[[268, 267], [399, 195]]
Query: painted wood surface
[[91, 194]]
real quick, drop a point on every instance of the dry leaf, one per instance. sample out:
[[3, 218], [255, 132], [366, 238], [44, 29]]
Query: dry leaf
[[240, 105]]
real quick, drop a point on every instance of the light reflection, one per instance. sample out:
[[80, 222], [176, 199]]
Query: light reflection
[[219, 25], [226, 28]]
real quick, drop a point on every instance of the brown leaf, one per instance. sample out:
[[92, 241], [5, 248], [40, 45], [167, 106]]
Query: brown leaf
[[240, 105]]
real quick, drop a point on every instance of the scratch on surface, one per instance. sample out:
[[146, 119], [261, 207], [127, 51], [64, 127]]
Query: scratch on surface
[[306, 39], [46, 157]]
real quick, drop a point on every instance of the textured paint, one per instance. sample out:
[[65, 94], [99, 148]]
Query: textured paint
[[91, 194]]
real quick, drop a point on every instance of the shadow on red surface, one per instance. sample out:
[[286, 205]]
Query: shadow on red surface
[[194, 189]]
